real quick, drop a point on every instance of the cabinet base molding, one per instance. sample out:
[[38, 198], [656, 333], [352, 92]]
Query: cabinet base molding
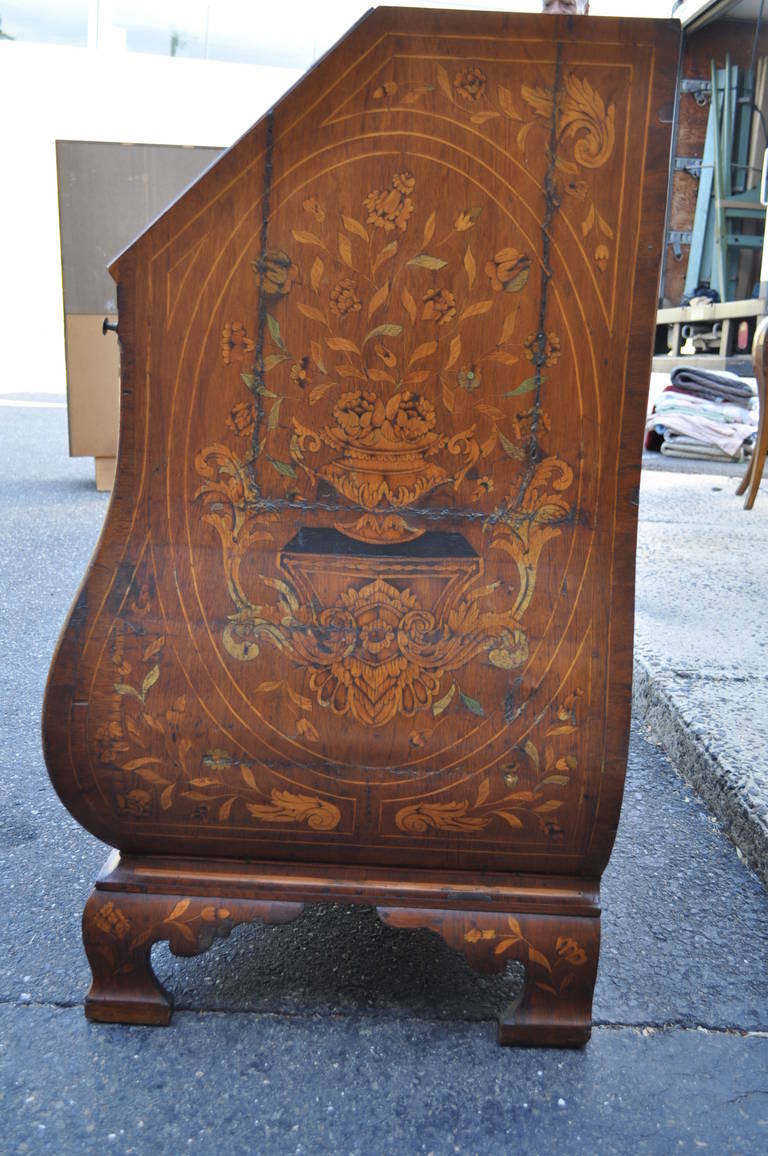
[[549, 925]]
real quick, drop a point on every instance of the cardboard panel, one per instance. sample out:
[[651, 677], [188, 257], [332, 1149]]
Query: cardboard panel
[[93, 380], [108, 193]]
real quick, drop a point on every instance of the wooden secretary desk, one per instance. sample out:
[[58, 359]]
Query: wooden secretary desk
[[359, 625]]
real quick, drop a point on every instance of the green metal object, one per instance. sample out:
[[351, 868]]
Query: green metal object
[[723, 203], [702, 239], [732, 208]]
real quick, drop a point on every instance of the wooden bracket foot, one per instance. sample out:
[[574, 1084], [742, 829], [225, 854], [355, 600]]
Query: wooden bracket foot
[[119, 929], [559, 955]]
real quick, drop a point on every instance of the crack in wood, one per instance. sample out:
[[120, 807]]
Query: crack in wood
[[331, 770], [257, 385], [510, 516], [551, 205]]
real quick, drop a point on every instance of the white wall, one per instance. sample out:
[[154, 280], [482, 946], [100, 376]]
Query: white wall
[[49, 93]]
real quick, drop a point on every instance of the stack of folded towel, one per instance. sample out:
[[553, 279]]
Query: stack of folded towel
[[704, 414]]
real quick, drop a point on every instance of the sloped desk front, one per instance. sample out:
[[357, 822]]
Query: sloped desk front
[[359, 626]]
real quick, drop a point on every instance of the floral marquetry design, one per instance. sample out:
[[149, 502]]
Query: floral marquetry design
[[390, 324], [558, 954], [439, 306], [392, 655], [358, 628], [526, 793], [509, 270], [576, 123], [470, 83], [161, 763], [275, 273], [288, 807], [383, 450], [236, 345], [585, 133], [396, 667], [111, 921], [583, 118], [553, 972], [391, 209], [120, 928], [344, 299], [361, 399]]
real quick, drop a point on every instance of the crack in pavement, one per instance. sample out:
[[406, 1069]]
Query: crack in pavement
[[650, 1027]]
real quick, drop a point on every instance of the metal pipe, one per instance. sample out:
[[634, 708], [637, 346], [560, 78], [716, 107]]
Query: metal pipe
[[753, 58]]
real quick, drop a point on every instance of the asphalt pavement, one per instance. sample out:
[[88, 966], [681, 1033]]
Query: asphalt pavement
[[335, 1034]]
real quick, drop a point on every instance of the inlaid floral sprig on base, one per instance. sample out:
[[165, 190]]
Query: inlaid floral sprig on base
[[557, 966]]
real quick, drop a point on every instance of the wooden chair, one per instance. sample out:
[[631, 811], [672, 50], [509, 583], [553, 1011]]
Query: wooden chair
[[750, 483]]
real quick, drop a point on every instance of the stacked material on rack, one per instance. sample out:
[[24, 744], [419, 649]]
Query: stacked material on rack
[[704, 414]]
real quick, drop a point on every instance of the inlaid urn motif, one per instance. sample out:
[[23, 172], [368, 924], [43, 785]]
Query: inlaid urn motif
[[392, 425], [384, 457]]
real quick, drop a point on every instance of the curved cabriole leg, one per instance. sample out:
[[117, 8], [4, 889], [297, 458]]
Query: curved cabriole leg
[[742, 486], [560, 956], [750, 483], [755, 474], [119, 929]]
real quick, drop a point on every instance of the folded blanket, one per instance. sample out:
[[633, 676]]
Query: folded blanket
[[707, 383], [697, 451], [672, 401], [727, 436]]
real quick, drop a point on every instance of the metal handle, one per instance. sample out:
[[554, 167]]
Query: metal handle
[[107, 325]]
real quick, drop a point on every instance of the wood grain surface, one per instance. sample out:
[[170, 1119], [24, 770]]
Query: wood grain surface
[[365, 590]]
